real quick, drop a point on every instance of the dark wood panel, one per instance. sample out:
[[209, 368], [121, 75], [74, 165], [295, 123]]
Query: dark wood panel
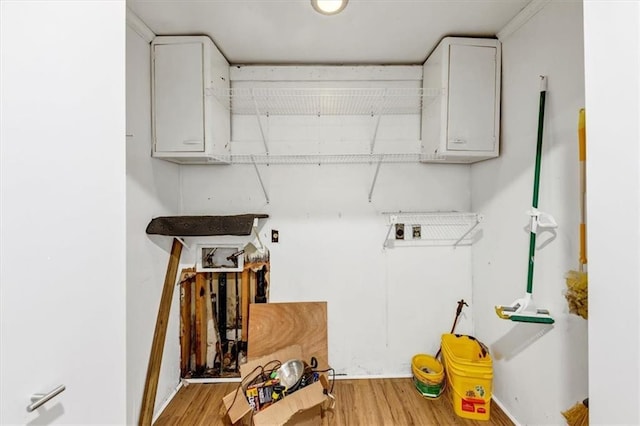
[[193, 226]]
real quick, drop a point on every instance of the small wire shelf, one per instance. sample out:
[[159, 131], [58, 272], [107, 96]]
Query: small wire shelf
[[436, 228], [324, 101]]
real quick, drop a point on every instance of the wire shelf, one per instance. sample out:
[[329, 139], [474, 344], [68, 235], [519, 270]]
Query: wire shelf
[[324, 101], [436, 228], [324, 158]]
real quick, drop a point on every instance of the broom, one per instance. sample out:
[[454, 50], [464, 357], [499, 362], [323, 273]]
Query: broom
[[577, 294], [578, 415]]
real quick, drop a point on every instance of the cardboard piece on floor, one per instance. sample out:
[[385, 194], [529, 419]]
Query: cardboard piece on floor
[[293, 408], [276, 325], [309, 417]]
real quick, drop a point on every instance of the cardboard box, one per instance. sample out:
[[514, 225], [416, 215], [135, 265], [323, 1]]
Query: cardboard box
[[302, 407], [285, 331]]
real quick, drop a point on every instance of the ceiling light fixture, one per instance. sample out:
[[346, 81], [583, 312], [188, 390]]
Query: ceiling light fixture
[[329, 7]]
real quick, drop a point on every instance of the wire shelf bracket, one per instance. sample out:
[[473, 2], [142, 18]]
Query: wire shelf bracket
[[375, 133], [375, 177], [264, 190], [262, 133]]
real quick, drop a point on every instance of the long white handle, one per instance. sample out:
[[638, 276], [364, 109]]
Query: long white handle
[[38, 399]]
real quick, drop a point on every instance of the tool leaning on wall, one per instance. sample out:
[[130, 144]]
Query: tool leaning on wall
[[524, 309], [577, 282]]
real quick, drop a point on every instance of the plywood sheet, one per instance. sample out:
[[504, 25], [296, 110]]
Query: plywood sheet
[[273, 326]]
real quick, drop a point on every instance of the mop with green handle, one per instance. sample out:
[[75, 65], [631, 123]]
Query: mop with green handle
[[524, 309]]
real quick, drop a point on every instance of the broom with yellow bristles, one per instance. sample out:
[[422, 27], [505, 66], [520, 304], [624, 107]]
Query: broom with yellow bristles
[[576, 293], [578, 415]]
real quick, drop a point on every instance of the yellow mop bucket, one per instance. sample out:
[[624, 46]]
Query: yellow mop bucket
[[466, 350], [469, 371], [428, 375], [470, 395]]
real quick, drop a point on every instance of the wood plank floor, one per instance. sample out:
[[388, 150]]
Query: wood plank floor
[[393, 402]]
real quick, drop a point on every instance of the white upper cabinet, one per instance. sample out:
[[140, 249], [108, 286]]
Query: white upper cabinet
[[188, 125], [463, 124], [193, 102]]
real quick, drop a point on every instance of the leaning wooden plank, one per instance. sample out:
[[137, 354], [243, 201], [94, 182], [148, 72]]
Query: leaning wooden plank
[[273, 326], [201, 323], [197, 226], [157, 347]]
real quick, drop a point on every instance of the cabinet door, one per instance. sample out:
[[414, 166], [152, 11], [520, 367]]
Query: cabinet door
[[472, 98], [178, 97]]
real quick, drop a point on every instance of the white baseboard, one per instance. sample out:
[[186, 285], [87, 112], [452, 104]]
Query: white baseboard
[[166, 402], [338, 377], [213, 380], [502, 407], [372, 376]]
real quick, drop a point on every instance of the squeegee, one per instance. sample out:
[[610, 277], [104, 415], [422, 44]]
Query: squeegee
[[524, 309]]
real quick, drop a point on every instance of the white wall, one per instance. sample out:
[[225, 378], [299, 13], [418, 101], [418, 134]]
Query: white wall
[[384, 306], [152, 190], [612, 95], [541, 373]]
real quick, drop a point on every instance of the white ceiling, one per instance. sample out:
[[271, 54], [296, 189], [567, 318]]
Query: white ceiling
[[291, 32]]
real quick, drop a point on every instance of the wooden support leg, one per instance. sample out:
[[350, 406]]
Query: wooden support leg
[[219, 356], [185, 324], [201, 323], [159, 335], [244, 294]]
